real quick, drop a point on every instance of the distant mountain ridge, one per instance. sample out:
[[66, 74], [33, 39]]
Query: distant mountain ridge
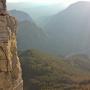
[[29, 34], [37, 11], [69, 30], [65, 33], [20, 15]]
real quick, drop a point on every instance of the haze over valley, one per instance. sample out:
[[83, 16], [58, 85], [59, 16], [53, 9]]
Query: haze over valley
[[53, 44], [64, 33]]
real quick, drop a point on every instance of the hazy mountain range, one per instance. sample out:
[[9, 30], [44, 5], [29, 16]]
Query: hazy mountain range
[[69, 30], [65, 33], [38, 12], [29, 35], [20, 15]]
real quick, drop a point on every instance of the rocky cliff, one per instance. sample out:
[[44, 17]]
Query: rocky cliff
[[10, 70]]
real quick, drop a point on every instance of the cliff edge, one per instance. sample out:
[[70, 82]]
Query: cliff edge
[[10, 70]]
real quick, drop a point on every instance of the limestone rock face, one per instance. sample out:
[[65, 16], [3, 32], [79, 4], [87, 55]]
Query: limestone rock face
[[10, 70]]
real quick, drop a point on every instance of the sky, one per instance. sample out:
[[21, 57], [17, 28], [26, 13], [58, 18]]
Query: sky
[[38, 0], [46, 1]]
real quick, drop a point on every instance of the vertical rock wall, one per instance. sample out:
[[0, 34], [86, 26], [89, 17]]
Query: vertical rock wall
[[10, 70]]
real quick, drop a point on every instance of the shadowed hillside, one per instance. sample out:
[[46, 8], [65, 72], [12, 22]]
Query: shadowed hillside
[[29, 34], [43, 71]]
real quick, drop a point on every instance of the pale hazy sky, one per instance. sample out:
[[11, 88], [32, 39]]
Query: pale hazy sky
[[46, 1]]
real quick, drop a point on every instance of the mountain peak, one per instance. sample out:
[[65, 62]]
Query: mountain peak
[[20, 15], [80, 4]]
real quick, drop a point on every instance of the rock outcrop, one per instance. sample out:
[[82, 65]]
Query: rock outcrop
[[10, 70]]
